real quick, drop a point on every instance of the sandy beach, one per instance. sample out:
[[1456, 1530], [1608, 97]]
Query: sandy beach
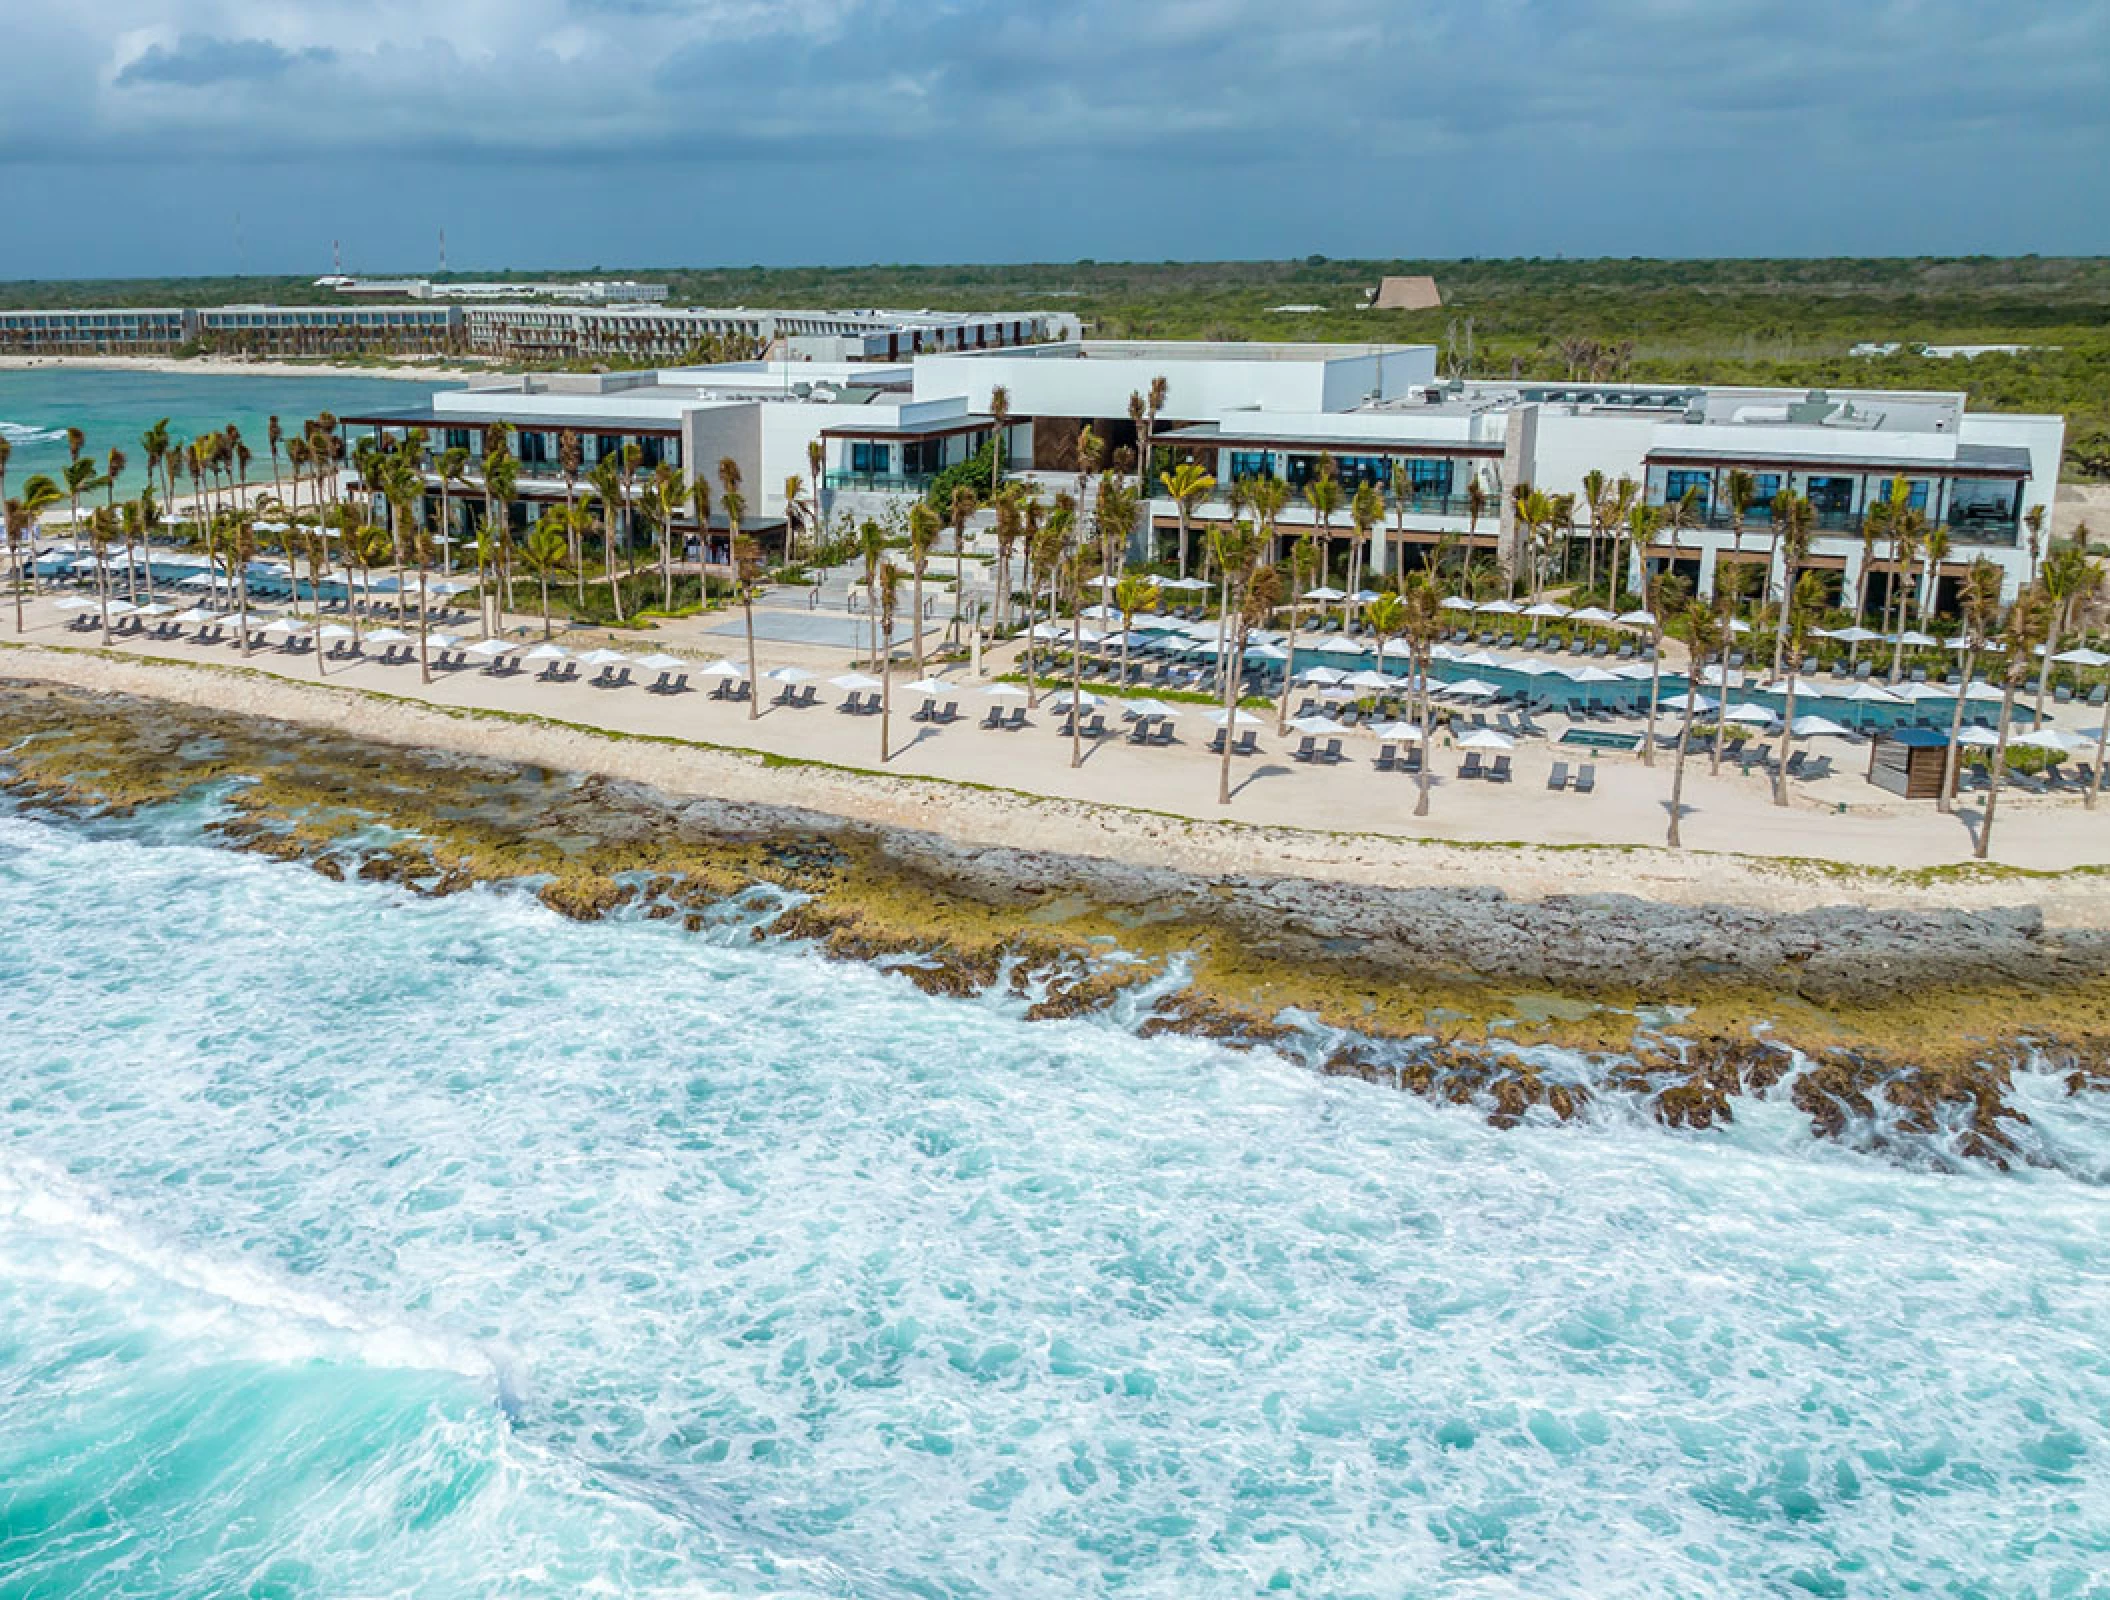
[[1841, 840]]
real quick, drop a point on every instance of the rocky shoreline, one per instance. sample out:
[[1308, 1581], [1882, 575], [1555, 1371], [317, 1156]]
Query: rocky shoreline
[[1442, 991]]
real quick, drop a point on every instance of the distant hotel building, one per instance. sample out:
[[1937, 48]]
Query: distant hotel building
[[592, 291], [617, 331], [886, 428]]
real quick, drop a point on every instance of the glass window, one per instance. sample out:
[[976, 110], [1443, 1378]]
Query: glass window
[[1429, 479], [1832, 496], [1251, 464], [1677, 484], [922, 455], [866, 456]]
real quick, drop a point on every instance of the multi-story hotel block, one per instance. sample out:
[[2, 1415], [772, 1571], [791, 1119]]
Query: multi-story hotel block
[[1458, 448]]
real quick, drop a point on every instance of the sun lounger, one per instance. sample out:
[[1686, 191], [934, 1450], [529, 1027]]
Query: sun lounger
[[1471, 768], [1410, 762], [1163, 735], [993, 719], [1388, 758], [1332, 752], [1095, 726], [1307, 749], [1015, 719], [1586, 778], [1248, 744], [1499, 772], [1558, 777]]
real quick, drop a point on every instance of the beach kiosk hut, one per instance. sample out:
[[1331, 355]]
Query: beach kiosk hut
[[1909, 762]]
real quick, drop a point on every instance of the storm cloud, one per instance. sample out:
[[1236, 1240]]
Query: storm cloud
[[629, 132]]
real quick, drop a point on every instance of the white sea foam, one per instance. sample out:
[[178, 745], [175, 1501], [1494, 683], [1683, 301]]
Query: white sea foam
[[705, 1266]]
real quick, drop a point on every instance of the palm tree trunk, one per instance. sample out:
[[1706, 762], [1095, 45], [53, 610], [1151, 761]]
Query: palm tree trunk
[[1419, 664], [1999, 772], [754, 681], [1787, 732], [1230, 699], [2102, 746], [2051, 643], [1289, 668], [916, 620], [1655, 688], [1952, 758], [1076, 686], [886, 698]]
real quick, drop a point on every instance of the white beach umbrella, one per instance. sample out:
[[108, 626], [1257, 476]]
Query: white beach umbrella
[[196, 614], [1370, 678], [854, 682], [1917, 692], [1982, 691], [490, 649], [441, 641], [1267, 652], [1918, 640], [930, 686], [1082, 699], [76, 602], [1100, 614], [1048, 630], [604, 658], [1699, 702], [1499, 608], [726, 667], [2053, 739], [1321, 675], [1853, 635], [286, 625], [1485, 739], [153, 608], [1149, 708], [1987, 737], [1184, 585], [1399, 730], [1364, 597], [1316, 725], [197, 580], [1638, 619], [1873, 695], [2082, 657], [1739, 625], [333, 632], [1455, 602], [1469, 689], [1751, 711], [1599, 614], [1589, 674], [1546, 608], [1241, 718], [388, 636], [1816, 727], [547, 652], [1325, 592], [786, 674], [660, 661]]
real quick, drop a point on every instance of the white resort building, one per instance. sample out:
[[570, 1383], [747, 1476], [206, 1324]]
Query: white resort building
[[886, 427]]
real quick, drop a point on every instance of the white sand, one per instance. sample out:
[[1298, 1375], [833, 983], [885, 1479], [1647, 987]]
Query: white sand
[[1150, 805]]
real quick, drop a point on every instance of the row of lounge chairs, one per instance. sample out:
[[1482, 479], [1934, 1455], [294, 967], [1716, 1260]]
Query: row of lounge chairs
[[1585, 779]]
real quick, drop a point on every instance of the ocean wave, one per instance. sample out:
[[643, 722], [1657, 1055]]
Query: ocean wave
[[797, 1279], [30, 433]]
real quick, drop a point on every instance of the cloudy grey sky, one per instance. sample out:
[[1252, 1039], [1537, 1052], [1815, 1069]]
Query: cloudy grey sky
[[133, 133]]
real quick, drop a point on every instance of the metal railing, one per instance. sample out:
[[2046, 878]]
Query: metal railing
[[896, 482]]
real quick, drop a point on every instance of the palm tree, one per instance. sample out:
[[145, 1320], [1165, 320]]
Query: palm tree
[[1043, 539], [237, 533], [1080, 567], [2033, 519], [1009, 530], [501, 479], [102, 528], [1256, 589], [1304, 556], [547, 555], [747, 579], [452, 469], [1740, 494], [1666, 595], [1804, 602], [79, 478], [1322, 492], [1187, 486], [1794, 522], [1137, 591], [40, 493], [1385, 617], [605, 484], [1268, 498], [1475, 506], [115, 469], [571, 463], [2027, 620], [999, 438], [1979, 601], [889, 594], [964, 505], [923, 526], [1421, 622], [2067, 578], [1706, 629], [816, 476]]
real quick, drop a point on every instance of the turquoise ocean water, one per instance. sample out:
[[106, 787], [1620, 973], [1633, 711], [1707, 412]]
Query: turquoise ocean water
[[38, 404], [354, 1244]]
